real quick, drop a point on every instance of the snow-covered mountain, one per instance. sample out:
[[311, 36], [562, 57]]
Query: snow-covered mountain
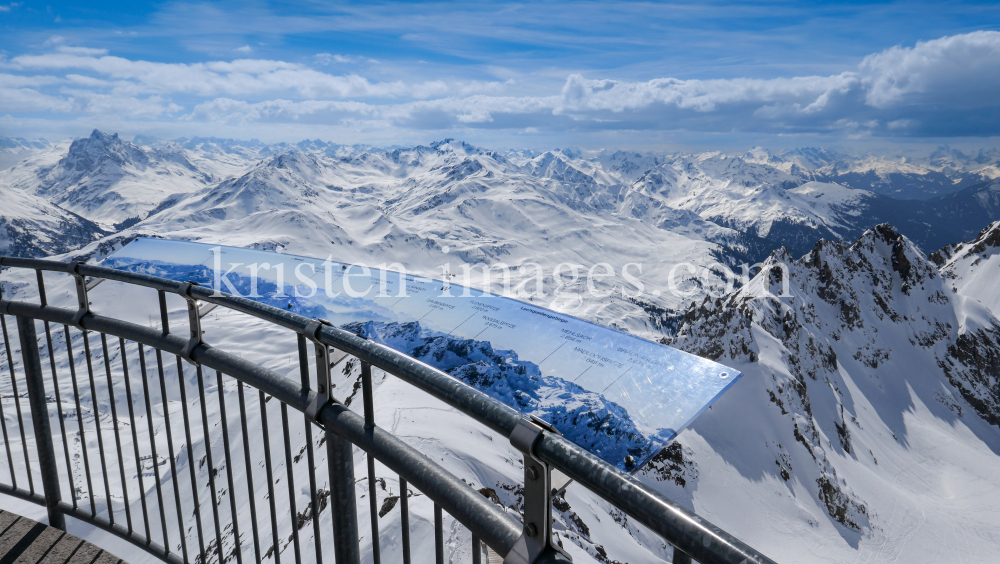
[[409, 205], [671, 213], [30, 226], [15, 149], [944, 171], [972, 268], [866, 423], [107, 180]]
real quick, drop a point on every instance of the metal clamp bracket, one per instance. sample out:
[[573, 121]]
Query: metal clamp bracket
[[537, 538], [325, 360], [194, 322], [82, 299]]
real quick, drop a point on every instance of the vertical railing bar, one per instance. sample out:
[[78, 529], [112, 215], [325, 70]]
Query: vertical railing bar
[[237, 545], [79, 422], [311, 460], [118, 440], [165, 329], [42, 299], [190, 450], [404, 516], [34, 384], [343, 499], [366, 386], [211, 465], [59, 410], [3, 417], [249, 472], [17, 407], [276, 547], [289, 470], [135, 439], [438, 535], [310, 455], [152, 447], [170, 452], [97, 422], [164, 316], [477, 550], [373, 510]]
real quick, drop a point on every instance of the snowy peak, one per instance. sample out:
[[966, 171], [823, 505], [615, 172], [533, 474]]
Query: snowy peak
[[972, 268], [850, 355], [813, 158], [214, 146], [283, 182], [100, 150], [627, 166], [108, 180]]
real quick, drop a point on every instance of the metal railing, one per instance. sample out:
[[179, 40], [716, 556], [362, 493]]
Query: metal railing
[[159, 400]]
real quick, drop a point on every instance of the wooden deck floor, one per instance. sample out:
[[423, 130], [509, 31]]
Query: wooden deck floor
[[24, 541]]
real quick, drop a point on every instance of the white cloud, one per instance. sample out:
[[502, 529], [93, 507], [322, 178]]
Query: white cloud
[[14, 100], [80, 80], [917, 90], [960, 70], [246, 77], [85, 51], [232, 111], [18, 81], [244, 49], [328, 59], [805, 94]]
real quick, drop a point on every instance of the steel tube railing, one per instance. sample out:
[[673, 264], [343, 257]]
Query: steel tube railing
[[40, 420], [468, 506], [681, 528]]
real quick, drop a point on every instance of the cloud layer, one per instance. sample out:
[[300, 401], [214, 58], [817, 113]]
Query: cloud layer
[[943, 87]]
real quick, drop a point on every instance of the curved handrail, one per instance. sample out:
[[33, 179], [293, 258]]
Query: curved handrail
[[476, 512], [680, 527]]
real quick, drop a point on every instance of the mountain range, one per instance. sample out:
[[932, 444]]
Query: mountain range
[[681, 217]]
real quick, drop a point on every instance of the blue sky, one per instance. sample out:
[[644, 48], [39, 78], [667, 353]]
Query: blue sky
[[591, 74]]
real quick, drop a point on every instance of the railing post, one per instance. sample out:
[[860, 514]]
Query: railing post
[[40, 420], [339, 455], [343, 503]]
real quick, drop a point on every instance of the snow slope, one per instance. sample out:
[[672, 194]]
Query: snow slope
[[30, 226], [973, 268]]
